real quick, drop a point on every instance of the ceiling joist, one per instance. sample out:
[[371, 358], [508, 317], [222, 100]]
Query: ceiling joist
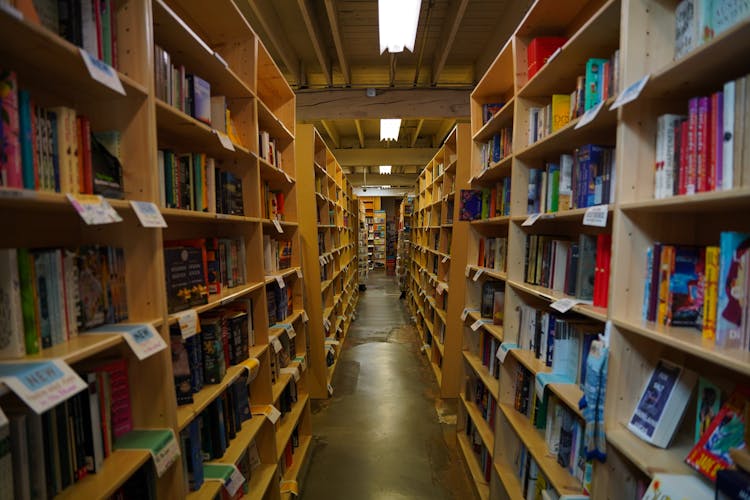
[[360, 133], [448, 35], [445, 127], [331, 131], [314, 34], [416, 132], [333, 21], [383, 156]]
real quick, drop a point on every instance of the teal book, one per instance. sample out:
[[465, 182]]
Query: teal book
[[27, 138], [707, 407], [593, 82]]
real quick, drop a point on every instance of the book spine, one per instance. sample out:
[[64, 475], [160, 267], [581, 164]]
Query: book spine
[[711, 293], [717, 141], [11, 312], [703, 135], [692, 147], [727, 154]]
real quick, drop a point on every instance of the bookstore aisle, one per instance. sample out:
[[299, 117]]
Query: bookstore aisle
[[380, 436]]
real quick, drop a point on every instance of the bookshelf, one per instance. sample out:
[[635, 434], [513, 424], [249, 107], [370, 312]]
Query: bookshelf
[[216, 43], [437, 258], [329, 217], [379, 236], [642, 35], [403, 262], [363, 250]]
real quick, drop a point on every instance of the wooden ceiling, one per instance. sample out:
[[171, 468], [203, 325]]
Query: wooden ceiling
[[329, 52]]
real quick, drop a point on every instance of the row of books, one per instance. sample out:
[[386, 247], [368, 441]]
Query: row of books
[[577, 269], [58, 448], [198, 267], [281, 358], [272, 203], [187, 92], [584, 179], [268, 149], [485, 203], [563, 435], [484, 457], [193, 182], [531, 479], [209, 435], [703, 150], [493, 301], [701, 287], [49, 295], [54, 149], [490, 109], [493, 253], [560, 343], [277, 254], [287, 459], [484, 346], [498, 147], [699, 21], [477, 393], [224, 340], [280, 302]]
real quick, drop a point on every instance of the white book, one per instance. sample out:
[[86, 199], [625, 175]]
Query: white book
[[727, 166], [11, 317], [659, 152], [560, 264], [668, 177], [678, 486]]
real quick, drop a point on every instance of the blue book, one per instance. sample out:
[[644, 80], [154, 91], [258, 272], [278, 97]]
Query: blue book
[[684, 286], [647, 283], [496, 152], [733, 261], [471, 204], [534, 192], [27, 139], [195, 457], [732, 484]]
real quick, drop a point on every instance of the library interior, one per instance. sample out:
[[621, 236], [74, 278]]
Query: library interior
[[374, 249]]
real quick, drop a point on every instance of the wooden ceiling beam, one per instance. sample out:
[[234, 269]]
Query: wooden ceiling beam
[[514, 10], [416, 132], [333, 21], [448, 36], [314, 33], [442, 131], [423, 41], [348, 104], [383, 156], [330, 129], [360, 133], [392, 70]]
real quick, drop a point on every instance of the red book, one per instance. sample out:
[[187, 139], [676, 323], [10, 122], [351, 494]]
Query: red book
[[480, 258], [605, 269], [597, 271], [713, 165], [692, 173], [493, 202], [683, 165], [703, 140]]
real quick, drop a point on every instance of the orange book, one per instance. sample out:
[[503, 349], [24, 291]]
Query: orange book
[[666, 265], [711, 292]]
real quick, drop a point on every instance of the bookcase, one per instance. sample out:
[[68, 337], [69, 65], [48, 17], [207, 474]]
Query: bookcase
[[363, 253], [252, 155], [379, 225], [512, 398], [328, 223], [438, 256], [403, 260], [368, 205]]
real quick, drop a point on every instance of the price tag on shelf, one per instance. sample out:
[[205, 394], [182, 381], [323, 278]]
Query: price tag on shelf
[[502, 351], [143, 339], [160, 443], [478, 274], [589, 116], [189, 324], [299, 273], [276, 343], [305, 317], [41, 385], [271, 413], [326, 324], [277, 225], [631, 93], [252, 366], [464, 314], [553, 55], [290, 331], [531, 219], [228, 475], [468, 271], [440, 288], [333, 342], [3, 419], [424, 348], [291, 370], [477, 325], [148, 214], [330, 390], [302, 362], [102, 72], [94, 209], [322, 262], [445, 259], [564, 305], [280, 281], [225, 141], [596, 216], [291, 486]]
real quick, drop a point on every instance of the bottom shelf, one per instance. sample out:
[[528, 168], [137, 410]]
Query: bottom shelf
[[260, 478], [300, 457], [207, 491], [117, 468], [510, 482], [475, 470]]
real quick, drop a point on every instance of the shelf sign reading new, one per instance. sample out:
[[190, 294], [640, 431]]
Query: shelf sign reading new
[[143, 338], [596, 216], [102, 72], [160, 443], [41, 385], [229, 475]]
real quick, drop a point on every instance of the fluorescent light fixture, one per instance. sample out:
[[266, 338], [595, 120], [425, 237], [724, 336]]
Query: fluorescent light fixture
[[389, 128], [385, 170], [385, 186], [398, 20]]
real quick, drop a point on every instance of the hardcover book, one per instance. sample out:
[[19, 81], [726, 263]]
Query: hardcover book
[[686, 286], [185, 273], [707, 407], [471, 204], [733, 276]]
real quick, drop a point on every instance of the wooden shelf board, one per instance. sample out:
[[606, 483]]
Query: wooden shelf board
[[488, 380], [691, 341], [530, 361], [496, 331], [279, 386], [301, 454], [485, 431], [117, 468], [601, 31], [268, 224], [509, 480], [733, 199], [242, 440], [501, 119], [185, 215], [287, 424], [274, 175], [597, 313], [486, 271], [451, 167], [77, 348], [260, 480], [574, 214], [495, 171], [204, 397], [226, 296], [559, 478], [475, 470], [569, 395], [501, 220], [284, 273], [650, 459], [207, 491], [270, 123]]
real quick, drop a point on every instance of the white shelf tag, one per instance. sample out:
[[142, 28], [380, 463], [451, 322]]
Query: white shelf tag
[[290, 331], [148, 214], [94, 209], [631, 93], [478, 274], [468, 271], [477, 325], [299, 273], [330, 389], [276, 343], [272, 414], [277, 225], [41, 385], [225, 141], [166, 455], [596, 216], [291, 370], [465, 314], [589, 116], [502, 351], [564, 305], [305, 317], [531, 219], [236, 480], [440, 288], [445, 259], [102, 72], [280, 281], [143, 339], [189, 324]]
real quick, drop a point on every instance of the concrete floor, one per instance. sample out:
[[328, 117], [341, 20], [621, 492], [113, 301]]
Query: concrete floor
[[384, 435]]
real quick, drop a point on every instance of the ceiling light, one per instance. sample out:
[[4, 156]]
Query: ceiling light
[[385, 186], [389, 128], [385, 169], [398, 20]]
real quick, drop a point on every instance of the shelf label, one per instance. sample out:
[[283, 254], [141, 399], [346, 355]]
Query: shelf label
[[478, 274], [224, 140], [291, 370], [477, 325], [553, 55], [305, 317], [143, 339], [299, 273], [425, 348], [302, 362], [503, 350], [229, 476], [564, 305], [290, 332], [94, 209], [330, 389], [290, 486], [589, 116], [41, 385], [189, 324], [631, 93], [543, 379], [280, 281], [445, 259], [252, 366], [148, 213], [277, 225], [276, 343], [531, 219], [332, 342], [596, 216], [268, 411], [3, 419], [160, 443], [440, 288], [102, 72], [464, 314], [326, 324]]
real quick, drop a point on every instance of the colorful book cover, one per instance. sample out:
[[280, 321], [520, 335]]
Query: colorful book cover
[[711, 293], [733, 275], [666, 264], [725, 432], [560, 111], [10, 144], [707, 407], [180, 366], [498, 306], [471, 204], [685, 27], [486, 195], [686, 286], [593, 82], [727, 13], [185, 273], [201, 99]]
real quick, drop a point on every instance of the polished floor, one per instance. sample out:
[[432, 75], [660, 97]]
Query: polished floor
[[384, 435]]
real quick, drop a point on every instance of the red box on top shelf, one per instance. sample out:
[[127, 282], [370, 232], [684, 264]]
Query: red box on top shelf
[[539, 51]]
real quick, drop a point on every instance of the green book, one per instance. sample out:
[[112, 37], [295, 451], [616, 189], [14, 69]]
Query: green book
[[486, 193], [26, 278]]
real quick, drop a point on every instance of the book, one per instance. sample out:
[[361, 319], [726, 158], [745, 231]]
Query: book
[[593, 82], [11, 312], [586, 267], [10, 144], [186, 277], [560, 111], [725, 432], [733, 277], [732, 483], [470, 207], [707, 406], [686, 285], [677, 486], [663, 400], [711, 293], [180, 366]]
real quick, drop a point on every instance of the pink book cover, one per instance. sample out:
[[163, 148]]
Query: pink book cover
[[703, 142], [691, 178], [10, 145]]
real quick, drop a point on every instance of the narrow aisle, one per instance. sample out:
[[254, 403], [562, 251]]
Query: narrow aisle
[[380, 437]]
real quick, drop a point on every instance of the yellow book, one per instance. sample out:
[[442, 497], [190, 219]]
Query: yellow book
[[560, 111], [711, 293]]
